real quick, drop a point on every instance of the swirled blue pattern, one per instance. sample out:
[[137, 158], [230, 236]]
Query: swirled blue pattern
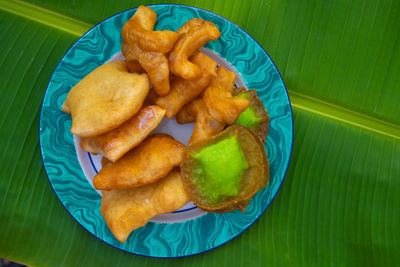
[[159, 239]]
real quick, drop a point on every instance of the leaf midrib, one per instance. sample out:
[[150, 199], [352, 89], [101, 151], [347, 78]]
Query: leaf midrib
[[46, 17], [342, 114], [299, 101]]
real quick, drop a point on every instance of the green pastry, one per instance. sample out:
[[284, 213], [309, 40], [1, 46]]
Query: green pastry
[[224, 172]]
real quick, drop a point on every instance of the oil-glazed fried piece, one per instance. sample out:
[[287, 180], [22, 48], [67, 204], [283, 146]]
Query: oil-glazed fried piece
[[215, 109], [105, 98], [156, 66], [188, 113], [138, 31], [192, 35], [114, 144], [182, 91], [218, 99], [128, 209], [141, 51], [146, 163]]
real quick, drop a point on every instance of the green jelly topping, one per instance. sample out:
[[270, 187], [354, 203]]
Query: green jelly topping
[[219, 168], [247, 118]]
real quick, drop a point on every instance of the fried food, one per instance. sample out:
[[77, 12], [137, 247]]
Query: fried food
[[255, 117], [205, 125], [146, 163], [145, 17], [135, 67], [182, 91], [218, 98], [114, 144], [215, 109], [225, 171], [137, 31], [151, 97], [192, 35], [188, 113], [114, 111], [143, 49], [131, 53], [105, 162], [128, 209], [105, 98], [156, 66], [86, 144], [153, 63]]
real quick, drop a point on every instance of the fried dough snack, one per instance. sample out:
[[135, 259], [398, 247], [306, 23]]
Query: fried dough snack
[[151, 97], [105, 162], [145, 17], [139, 30], [216, 109], [144, 49], [205, 126], [188, 112], [135, 67], [182, 91], [128, 209], [105, 98], [131, 53], [114, 144], [218, 98], [192, 35], [155, 64], [146, 163]]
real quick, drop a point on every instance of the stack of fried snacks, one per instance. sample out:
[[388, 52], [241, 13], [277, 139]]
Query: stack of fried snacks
[[145, 49], [107, 114], [140, 178]]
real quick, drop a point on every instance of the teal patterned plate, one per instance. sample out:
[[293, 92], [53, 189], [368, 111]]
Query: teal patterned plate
[[189, 230]]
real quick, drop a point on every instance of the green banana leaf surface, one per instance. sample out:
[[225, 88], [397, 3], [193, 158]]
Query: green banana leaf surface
[[340, 202]]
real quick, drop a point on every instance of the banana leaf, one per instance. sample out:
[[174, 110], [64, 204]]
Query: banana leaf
[[339, 203]]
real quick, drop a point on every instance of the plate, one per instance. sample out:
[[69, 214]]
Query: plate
[[189, 230]]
